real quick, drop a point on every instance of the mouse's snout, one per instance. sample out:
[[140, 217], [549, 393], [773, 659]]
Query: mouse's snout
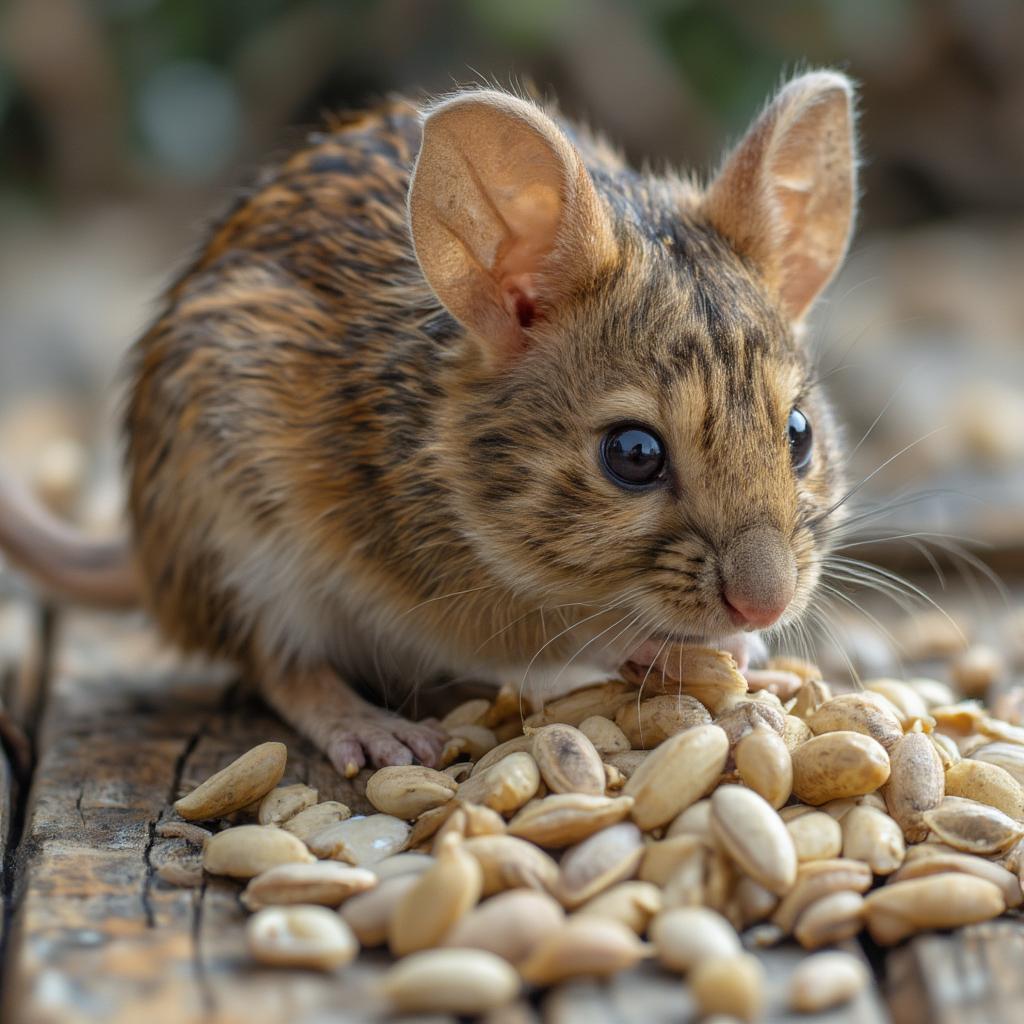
[[758, 577]]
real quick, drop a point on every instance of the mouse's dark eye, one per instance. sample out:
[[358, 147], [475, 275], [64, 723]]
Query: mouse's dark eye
[[800, 441], [633, 456]]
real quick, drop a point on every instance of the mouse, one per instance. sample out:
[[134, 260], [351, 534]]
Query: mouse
[[453, 392]]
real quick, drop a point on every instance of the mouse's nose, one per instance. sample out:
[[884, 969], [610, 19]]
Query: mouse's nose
[[758, 578]]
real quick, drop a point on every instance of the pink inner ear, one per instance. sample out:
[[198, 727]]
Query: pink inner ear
[[519, 299]]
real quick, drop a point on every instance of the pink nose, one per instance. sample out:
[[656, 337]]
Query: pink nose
[[744, 614], [759, 578]]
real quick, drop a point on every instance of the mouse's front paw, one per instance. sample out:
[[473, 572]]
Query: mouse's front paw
[[381, 738]]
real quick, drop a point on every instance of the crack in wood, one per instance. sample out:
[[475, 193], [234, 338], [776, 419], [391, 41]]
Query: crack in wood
[[147, 881], [31, 690], [202, 980]]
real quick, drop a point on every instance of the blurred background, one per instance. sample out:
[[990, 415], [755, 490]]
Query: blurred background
[[125, 124]]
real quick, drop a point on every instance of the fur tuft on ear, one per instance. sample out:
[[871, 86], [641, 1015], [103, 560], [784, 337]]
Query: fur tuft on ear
[[785, 196], [505, 219]]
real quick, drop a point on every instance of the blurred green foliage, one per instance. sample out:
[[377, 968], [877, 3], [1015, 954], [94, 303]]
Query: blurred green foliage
[[183, 91]]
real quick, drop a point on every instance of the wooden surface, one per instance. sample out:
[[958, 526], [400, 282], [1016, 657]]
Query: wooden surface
[[98, 935]]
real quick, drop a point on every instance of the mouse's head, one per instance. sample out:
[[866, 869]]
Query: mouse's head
[[635, 423]]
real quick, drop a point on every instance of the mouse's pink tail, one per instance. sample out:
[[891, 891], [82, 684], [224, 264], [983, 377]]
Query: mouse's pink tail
[[63, 561]]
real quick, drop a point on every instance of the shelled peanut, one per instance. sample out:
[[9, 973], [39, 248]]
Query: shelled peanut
[[616, 825]]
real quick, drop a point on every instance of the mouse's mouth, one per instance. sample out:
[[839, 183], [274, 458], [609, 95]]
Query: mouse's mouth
[[657, 650]]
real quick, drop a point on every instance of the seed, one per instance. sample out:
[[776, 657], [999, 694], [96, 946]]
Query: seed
[[708, 674], [1009, 704], [243, 782], [470, 712], [764, 764], [188, 874], [285, 802], [831, 919], [719, 880], [474, 740], [632, 904], [816, 879], [604, 700], [816, 836], [946, 748], [676, 774], [838, 809], [406, 863], [732, 985], [567, 818], [988, 784], [909, 705], [606, 736], [826, 980], [613, 778], [685, 936], [459, 981], [249, 850], [627, 762], [650, 722], [916, 785], [806, 670], [194, 835], [930, 634], [663, 857], [300, 937], [505, 786], [514, 745], [838, 764], [933, 693], [509, 703], [511, 863], [857, 712], [794, 732], [874, 838], [774, 681], [754, 836], [369, 913], [597, 863], [938, 901], [427, 825], [460, 771], [510, 924], [811, 696], [977, 669], [1009, 756], [694, 821], [968, 864], [751, 903], [361, 841], [325, 883], [406, 791], [972, 827], [747, 715], [685, 888], [315, 819], [440, 896], [583, 947], [568, 761]]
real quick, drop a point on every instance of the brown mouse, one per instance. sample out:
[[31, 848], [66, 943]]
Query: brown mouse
[[455, 393]]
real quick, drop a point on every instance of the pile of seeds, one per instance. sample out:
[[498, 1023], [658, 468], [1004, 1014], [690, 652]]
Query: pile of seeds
[[620, 823]]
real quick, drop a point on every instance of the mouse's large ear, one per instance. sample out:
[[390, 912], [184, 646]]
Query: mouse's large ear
[[785, 196], [505, 219]]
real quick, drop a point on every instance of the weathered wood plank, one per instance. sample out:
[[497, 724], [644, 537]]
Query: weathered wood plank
[[97, 934], [970, 976], [656, 997]]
